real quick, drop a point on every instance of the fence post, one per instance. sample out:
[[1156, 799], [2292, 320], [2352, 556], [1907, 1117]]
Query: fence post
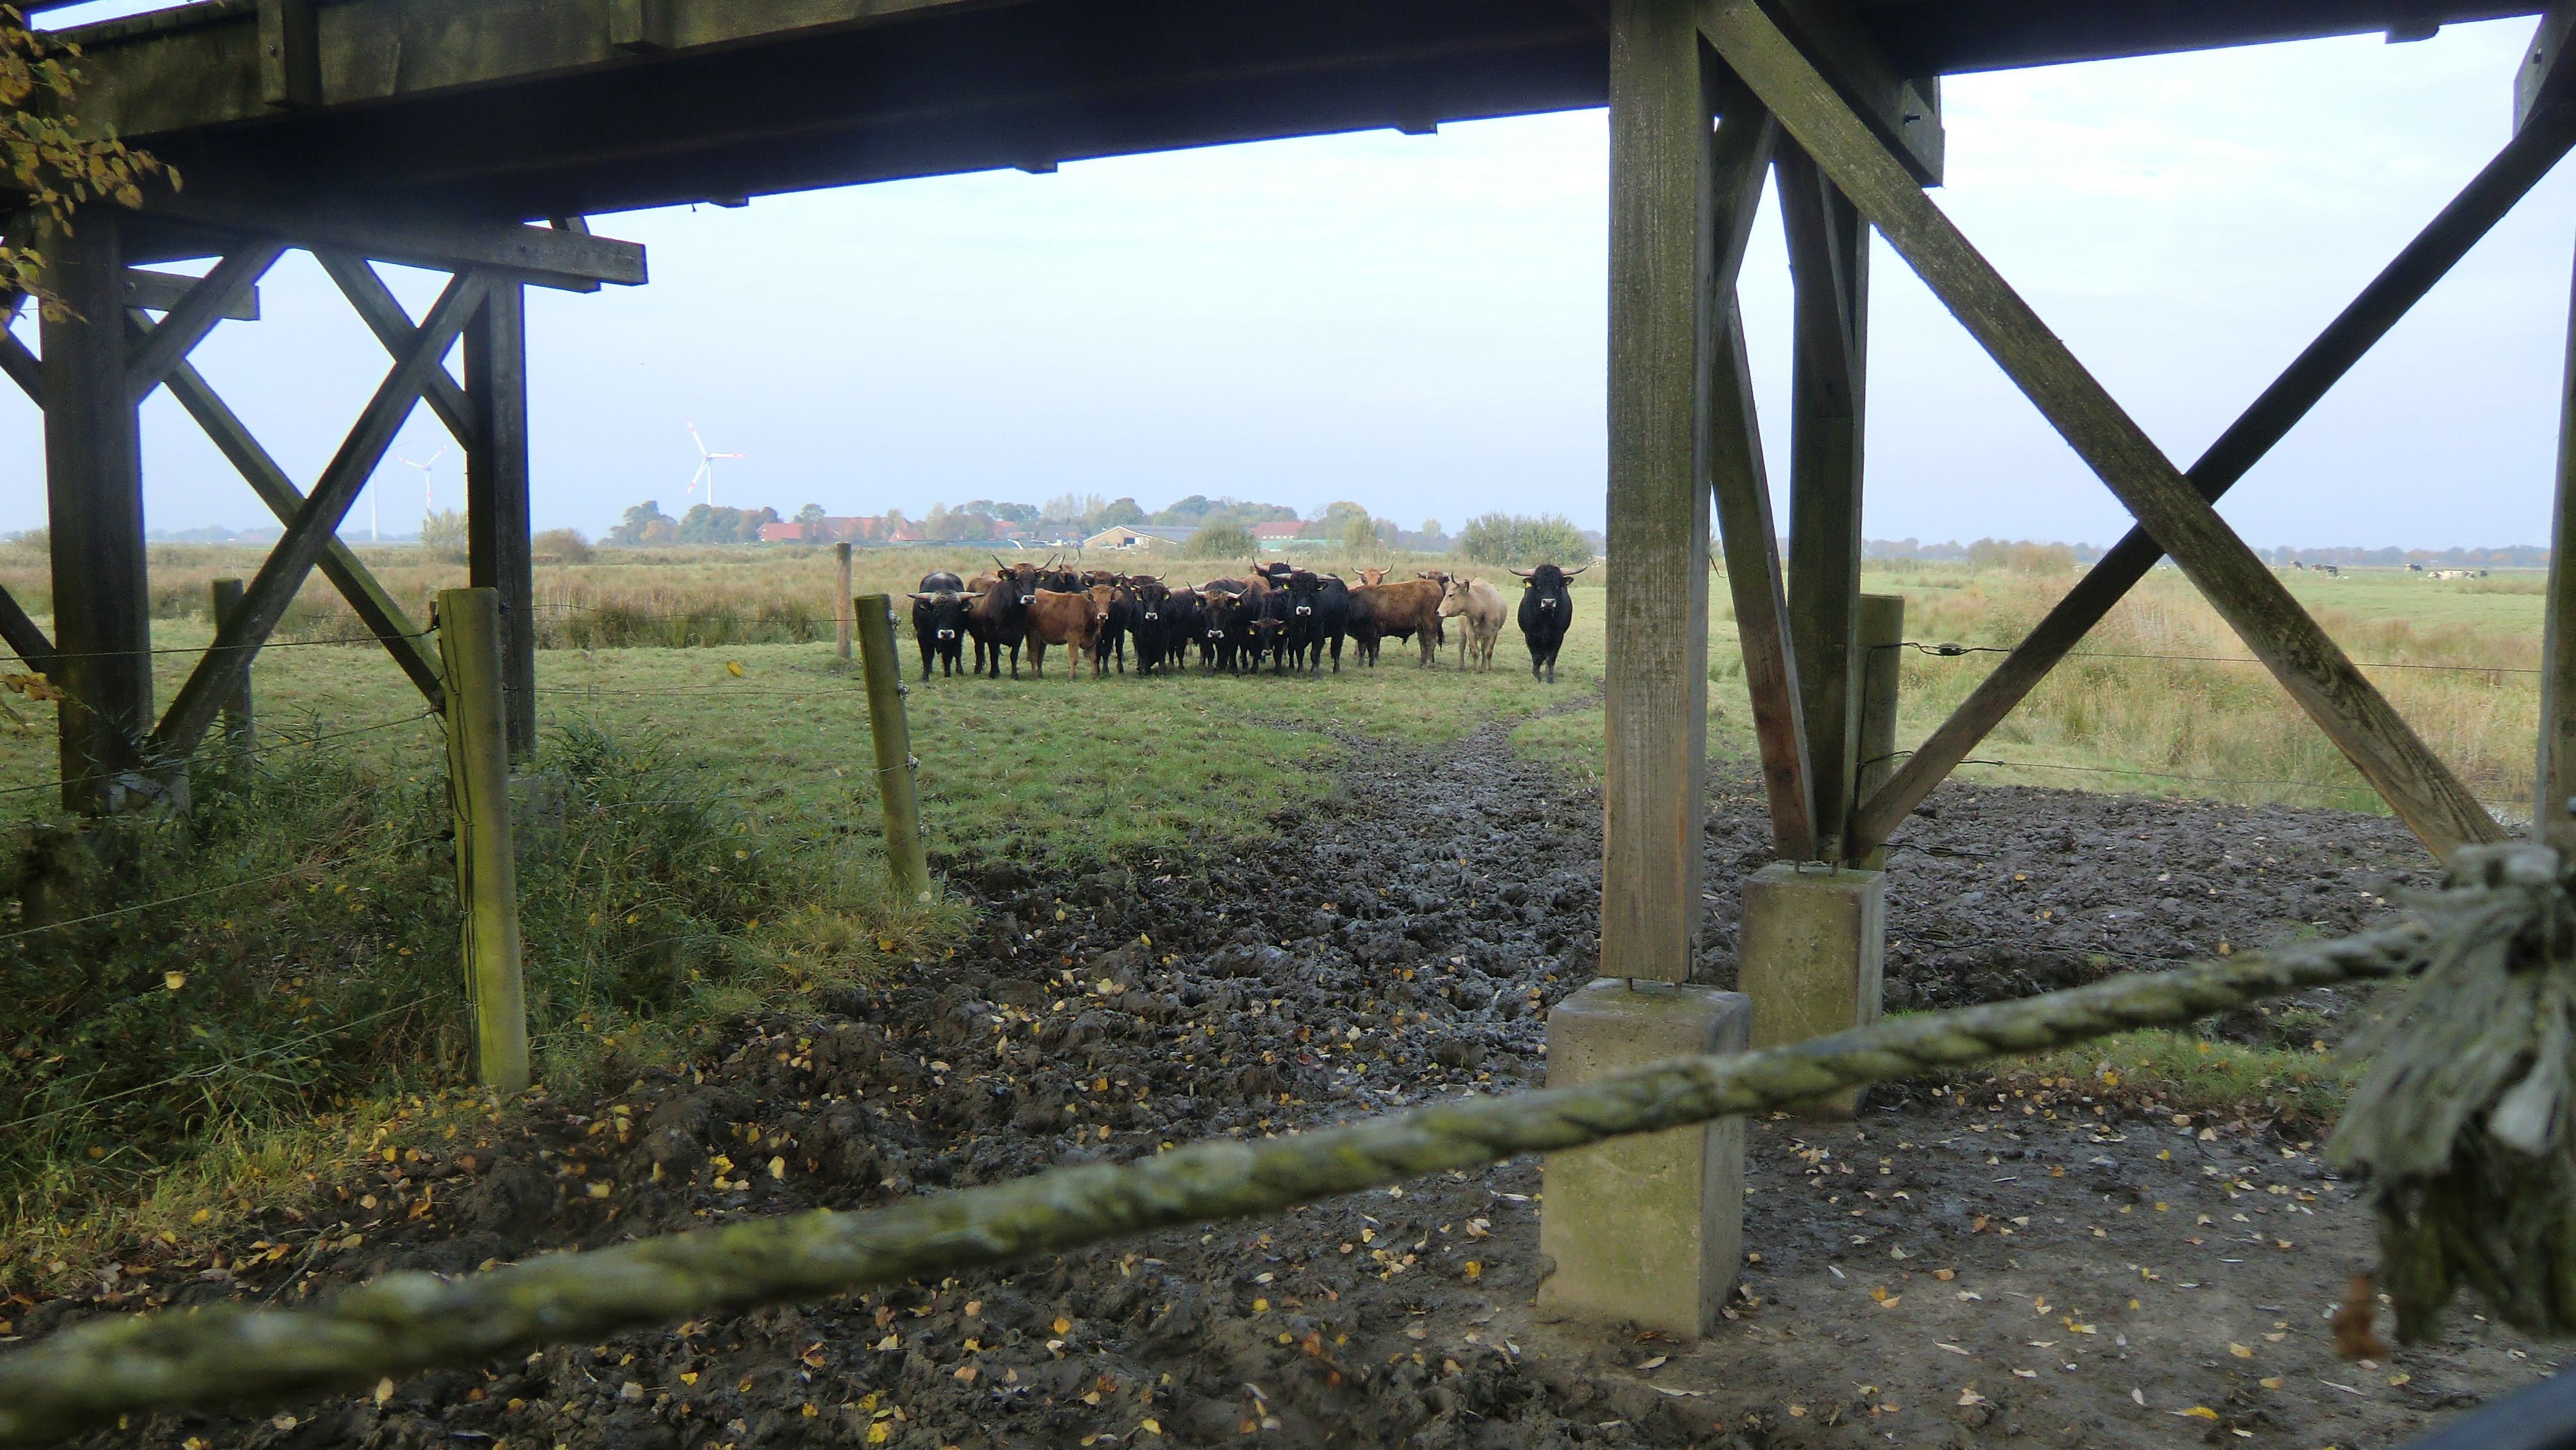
[[841, 606], [1882, 637], [223, 596], [905, 856], [487, 875]]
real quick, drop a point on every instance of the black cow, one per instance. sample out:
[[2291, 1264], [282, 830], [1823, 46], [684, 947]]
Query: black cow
[[939, 620], [1218, 600], [1547, 612], [1152, 595], [1319, 609], [1116, 629], [999, 618]]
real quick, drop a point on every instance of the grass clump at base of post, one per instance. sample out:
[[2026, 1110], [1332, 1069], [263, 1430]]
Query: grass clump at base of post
[[302, 995], [2177, 1076]]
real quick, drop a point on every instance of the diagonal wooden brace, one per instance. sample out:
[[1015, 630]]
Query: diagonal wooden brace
[[1741, 488], [309, 536], [2548, 132], [2315, 671], [152, 355], [384, 315], [368, 599]]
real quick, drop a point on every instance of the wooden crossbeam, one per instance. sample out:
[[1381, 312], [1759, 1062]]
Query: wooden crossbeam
[[1829, 262], [2315, 671], [309, 537], [163, 291], [1740, 484], [2548, 132], [197, 223], [151, 355], [384, 315], [368, 598]]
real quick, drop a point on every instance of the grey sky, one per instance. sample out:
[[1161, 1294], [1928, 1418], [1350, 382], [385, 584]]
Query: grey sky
[[1417, 324]]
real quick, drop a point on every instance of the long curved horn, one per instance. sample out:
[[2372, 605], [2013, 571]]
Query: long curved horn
[[1570, 573], [1524, 573]]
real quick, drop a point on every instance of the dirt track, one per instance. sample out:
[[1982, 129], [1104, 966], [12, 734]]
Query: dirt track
[[2104, 1263]]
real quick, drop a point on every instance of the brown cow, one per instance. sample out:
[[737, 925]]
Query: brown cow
[[1371, 576], [1066, 619], [1403, 610]]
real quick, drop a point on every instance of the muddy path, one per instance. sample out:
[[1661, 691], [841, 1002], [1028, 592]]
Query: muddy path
[[1988, 1262]]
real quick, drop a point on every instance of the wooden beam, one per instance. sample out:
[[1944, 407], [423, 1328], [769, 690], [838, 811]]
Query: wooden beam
[[1829, 263], [1655, 682], [642, 26], [1740, 483], [22, 366], [94, 494], [542, 256], [384, 315], [290, 54], [2546, 137], [310, 536], [374, 604], [2315, 671], [18, 630], [1903, 112], [496, 499], [209, 302], [162, 292]]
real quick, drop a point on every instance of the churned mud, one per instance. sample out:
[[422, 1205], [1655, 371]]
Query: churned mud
[[1989, 1262]]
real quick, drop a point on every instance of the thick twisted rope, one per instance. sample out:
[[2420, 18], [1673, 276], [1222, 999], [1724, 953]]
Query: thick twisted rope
[[90, 1375]]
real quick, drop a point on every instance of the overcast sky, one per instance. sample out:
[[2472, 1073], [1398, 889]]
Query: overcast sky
[[1417, 323]]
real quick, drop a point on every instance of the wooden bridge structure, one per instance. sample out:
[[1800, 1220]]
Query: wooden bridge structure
[[474, 136]]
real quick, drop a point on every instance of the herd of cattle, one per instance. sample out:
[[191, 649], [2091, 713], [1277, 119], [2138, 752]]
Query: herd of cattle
[[1286, 617]]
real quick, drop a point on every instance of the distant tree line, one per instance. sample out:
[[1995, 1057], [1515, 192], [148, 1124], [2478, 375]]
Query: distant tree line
[[645, 525]]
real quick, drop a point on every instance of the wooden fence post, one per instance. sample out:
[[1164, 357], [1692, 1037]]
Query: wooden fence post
[[905, 856], [1882, 666], [841, 605], [223, 596], [487, 875]]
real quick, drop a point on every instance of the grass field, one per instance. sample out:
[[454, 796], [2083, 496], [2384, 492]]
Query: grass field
[[753, 877]]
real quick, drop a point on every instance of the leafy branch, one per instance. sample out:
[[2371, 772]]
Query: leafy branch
[[57, 169]]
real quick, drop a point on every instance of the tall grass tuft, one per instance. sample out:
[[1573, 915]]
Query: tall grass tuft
[[308, 956]]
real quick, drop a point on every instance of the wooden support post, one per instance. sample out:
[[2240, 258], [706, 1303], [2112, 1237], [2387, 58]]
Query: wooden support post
[[2555, 777], [94, 489], [290, 54], [1829, 262], [487, 872], [496, 495], [2418, 787], [841, 600], [1655, 683], [1882, 668], [223, 596], [906, 857], [1648, 1231]]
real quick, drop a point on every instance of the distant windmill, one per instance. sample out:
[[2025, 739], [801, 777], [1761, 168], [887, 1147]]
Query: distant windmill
[[706, 473], [428, 490]]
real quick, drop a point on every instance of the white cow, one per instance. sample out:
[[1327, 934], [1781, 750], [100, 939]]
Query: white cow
[[1481, 605]]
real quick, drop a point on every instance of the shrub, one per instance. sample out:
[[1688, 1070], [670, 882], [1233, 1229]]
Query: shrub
[[442, 535], [568, 546], [1518, 542], [1220, 541]]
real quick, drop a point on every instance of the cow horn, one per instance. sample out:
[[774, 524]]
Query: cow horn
[[1524, 573], [1570, 573], [925, 598], [998, 564]]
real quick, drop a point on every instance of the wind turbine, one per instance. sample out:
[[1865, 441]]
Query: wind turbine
[[706, 473], [428, 493]]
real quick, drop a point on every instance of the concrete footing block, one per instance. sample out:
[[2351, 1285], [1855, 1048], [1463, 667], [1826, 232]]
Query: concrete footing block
[[1647, 1229], [1812, 953]]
